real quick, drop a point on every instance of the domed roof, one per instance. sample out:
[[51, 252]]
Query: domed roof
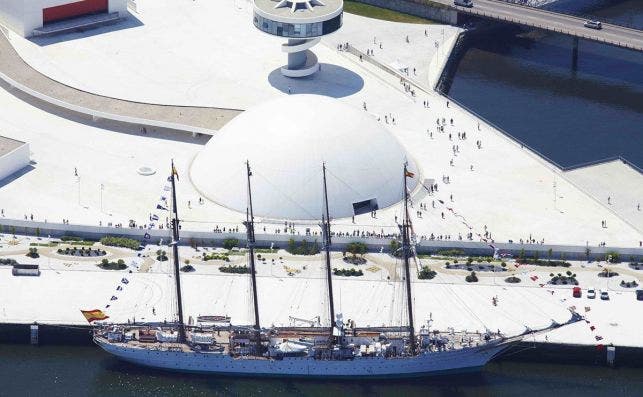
[[286, 142]]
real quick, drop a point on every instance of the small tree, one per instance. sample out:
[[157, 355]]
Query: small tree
[[549, 253], [230, 243], [37, 232], [393, 246]]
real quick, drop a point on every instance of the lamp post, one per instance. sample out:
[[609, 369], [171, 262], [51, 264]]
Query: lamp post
[[102, 187], [78, 181]]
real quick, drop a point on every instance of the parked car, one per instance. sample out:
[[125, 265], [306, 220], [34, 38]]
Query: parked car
[[639, 294], [463, 3], [604, 295], [591, 293], [576, 292], [593, 25]]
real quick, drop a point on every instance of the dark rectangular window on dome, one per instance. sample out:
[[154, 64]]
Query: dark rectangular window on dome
[[362, 207]]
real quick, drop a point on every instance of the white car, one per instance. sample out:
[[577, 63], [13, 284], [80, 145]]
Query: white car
[[463, 3], [591, 293], [604, 295], [593, 25]]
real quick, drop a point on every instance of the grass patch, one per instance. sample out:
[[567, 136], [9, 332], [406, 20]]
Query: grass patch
[[120, 242], [54, 244], [366, 10]]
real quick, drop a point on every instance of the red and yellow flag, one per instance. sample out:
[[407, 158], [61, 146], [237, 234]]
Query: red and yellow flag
[[94, 315], [409, 174], [176, 174]]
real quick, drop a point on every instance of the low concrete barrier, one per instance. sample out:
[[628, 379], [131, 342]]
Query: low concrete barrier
[[374, 244]]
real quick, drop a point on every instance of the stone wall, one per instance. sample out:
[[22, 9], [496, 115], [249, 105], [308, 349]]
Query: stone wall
[[421, 8]]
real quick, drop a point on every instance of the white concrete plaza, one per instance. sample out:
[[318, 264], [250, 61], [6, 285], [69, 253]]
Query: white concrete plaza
[[208, 53], [294, 286]]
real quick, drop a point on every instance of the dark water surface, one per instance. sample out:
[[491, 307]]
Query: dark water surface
[[524, 83], [87, 371]]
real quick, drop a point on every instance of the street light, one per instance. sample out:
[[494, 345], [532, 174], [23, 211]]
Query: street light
[[102, 187], [78, 181]]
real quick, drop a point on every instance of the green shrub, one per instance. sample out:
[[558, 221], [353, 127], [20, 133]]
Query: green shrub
[[612, 257], [107, 265], [161, 255], [120, 242], [451, 252], [302, 248], [348, 272], [214, 256], [426, 273], [356, 248], [472, 278], [71, 238], [394, 247], [235, 269], [230, 243]]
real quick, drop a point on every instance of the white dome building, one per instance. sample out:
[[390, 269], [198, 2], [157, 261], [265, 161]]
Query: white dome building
[[286, 142]]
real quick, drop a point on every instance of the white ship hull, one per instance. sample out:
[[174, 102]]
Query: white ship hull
[[433, 363]]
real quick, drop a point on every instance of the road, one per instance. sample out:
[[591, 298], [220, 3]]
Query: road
[[562, 23]]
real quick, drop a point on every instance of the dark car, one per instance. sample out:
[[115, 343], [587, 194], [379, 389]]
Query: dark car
[[639, 294]]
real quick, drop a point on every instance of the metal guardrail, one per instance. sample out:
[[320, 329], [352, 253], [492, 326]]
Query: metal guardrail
[[568, 32], [524, 3]]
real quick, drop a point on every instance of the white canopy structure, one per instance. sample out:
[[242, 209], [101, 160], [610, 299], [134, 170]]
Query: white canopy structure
[[286, 142]]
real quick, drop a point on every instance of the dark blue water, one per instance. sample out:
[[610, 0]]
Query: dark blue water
[[87, 371], [523, 82]]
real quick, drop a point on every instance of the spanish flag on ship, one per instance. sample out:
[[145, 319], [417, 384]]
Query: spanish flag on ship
[[94, 315], [408, 174], [174, 173]]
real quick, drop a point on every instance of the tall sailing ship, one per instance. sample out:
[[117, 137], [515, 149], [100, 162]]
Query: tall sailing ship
[[338, 350]]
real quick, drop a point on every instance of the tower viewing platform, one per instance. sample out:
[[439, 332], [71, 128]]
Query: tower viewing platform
[[302, 22]]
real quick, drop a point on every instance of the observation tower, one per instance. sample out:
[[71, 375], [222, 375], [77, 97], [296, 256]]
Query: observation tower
[[303, 23]]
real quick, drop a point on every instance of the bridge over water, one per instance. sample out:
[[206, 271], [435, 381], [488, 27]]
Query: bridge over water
[[571, 25]]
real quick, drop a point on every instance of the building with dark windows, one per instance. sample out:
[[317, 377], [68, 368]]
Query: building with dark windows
[[303, 23]]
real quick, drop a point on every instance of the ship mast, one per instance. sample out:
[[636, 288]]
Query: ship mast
[[406, 252], [175, 255], [250, 227], [327, 243]]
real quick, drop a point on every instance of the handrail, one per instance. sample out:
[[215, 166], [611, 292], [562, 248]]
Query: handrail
[[579, 15], [594, 37]]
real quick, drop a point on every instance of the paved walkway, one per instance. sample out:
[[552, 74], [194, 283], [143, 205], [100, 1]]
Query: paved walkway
[[12, 65]]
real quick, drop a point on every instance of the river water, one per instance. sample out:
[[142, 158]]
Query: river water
[[87, 371], [523, 82]]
